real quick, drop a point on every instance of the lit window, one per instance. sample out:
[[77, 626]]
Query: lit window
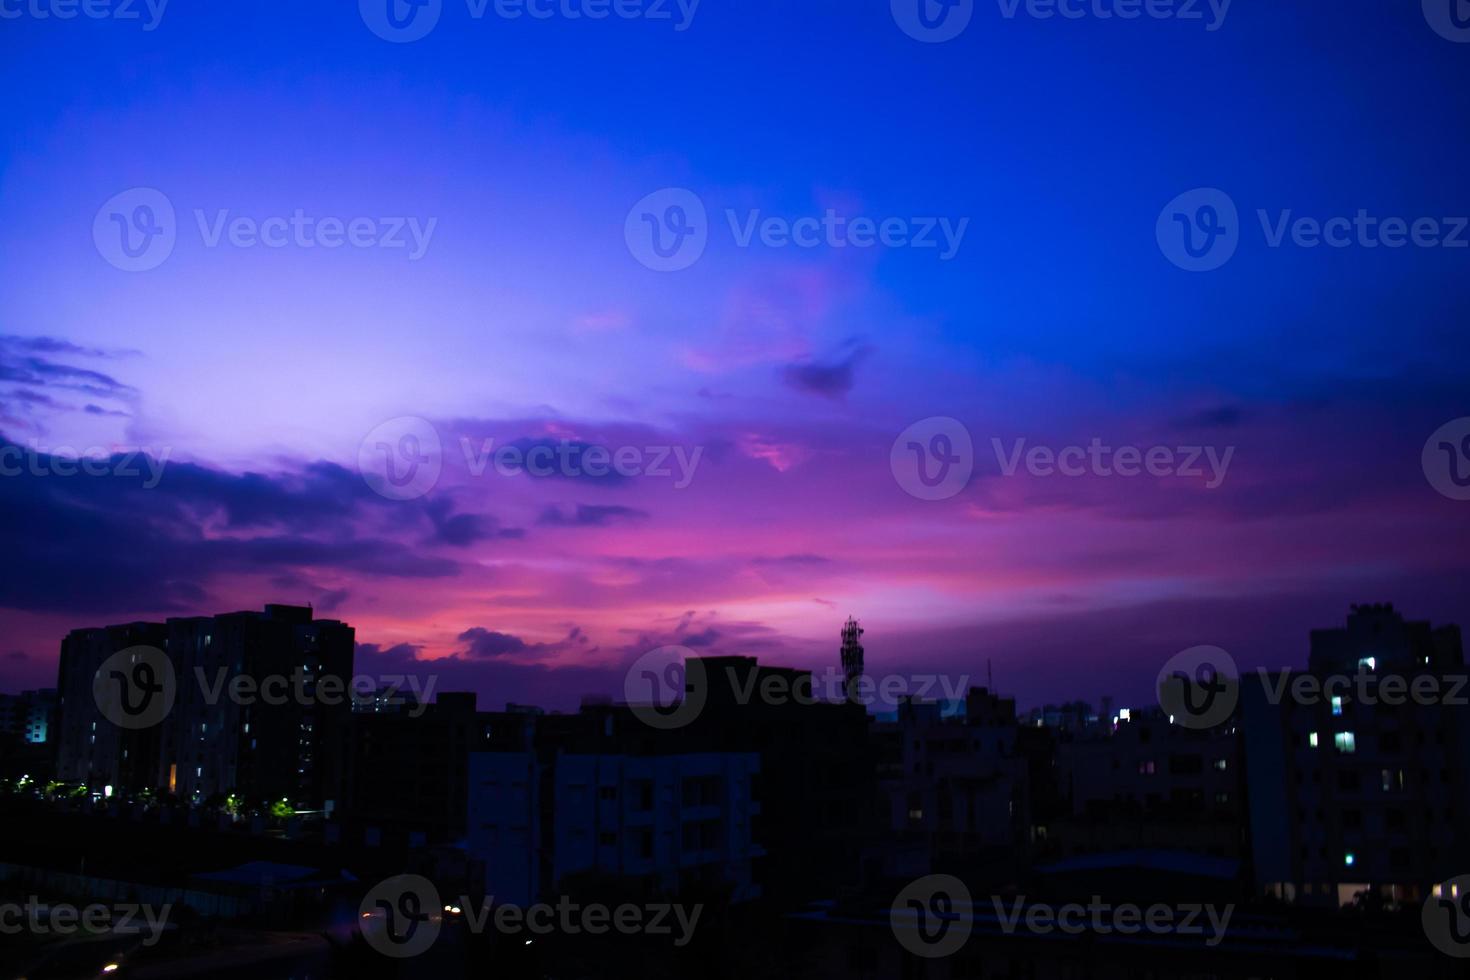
[[1345, 742], [1337, 706], [1370, 663], [1221, 764], [1348, 859], [1312, 739]]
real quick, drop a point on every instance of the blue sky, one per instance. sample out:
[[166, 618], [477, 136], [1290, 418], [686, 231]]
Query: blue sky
[[526, 142]]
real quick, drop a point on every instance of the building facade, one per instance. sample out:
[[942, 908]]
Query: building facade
[[1356, 780]]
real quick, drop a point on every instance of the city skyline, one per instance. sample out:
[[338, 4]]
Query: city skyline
[[494, 286]]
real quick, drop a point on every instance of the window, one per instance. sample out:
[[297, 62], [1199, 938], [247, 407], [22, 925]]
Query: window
[[1220, 765], [1312, 739], [1336, 706], [643, 793], [607, 793], [1345, 742]]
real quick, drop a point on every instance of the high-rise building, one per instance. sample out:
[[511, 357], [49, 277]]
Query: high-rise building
[[1355, 767], [852, 652], [261, 707], [663, 824], [28, 716]]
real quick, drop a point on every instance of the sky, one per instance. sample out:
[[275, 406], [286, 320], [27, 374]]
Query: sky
[[253, 256]]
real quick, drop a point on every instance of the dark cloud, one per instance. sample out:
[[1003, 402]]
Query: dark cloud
[[590, 515], [399, 653], [792, 561], [463, 530], [828, 379], [118, 542], [551, 459], [484, 644], [56, 345], [329, 601]]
